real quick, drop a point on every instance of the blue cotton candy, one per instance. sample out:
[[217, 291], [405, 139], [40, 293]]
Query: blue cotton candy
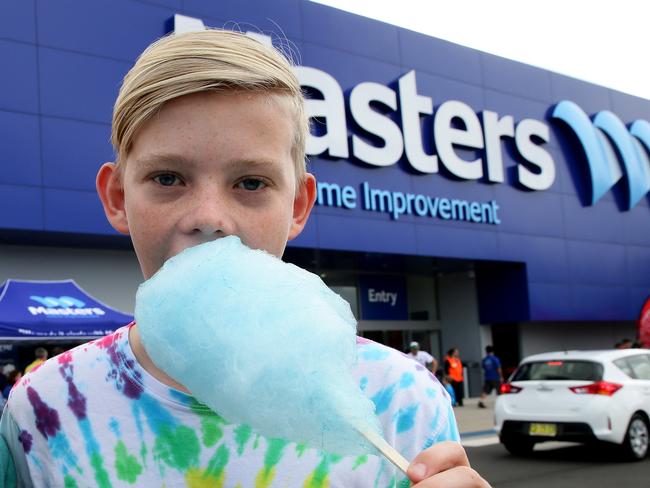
[[259, 341]]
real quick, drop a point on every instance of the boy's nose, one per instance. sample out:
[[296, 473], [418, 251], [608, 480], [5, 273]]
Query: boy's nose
[[208, 217]]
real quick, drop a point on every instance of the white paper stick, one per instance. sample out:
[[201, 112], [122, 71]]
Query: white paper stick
[[386, 449]]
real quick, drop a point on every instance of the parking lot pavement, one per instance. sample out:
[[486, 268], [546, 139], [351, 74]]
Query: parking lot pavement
[[558, 465], [471, 418], [476, 425]]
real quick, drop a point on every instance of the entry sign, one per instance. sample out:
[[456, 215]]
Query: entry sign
[[383, 297]]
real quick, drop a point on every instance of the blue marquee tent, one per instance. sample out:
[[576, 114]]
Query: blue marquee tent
[[54, 310]]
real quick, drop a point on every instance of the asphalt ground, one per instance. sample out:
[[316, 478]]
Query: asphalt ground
[[472, 419], [558, 465]]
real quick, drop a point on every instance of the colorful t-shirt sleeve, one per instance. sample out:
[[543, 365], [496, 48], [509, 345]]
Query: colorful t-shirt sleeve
[[413, 407], [423, 414], [13, 469]]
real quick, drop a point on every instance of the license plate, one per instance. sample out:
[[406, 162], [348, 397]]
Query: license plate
[[545, 430]]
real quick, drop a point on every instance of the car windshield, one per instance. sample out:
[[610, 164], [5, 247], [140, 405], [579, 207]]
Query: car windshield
[[559, 370]]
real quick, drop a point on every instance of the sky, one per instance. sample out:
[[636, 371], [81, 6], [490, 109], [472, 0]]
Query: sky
[[603, 42]]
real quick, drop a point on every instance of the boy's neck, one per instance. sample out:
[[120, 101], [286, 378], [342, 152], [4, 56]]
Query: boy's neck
[[145, 361]]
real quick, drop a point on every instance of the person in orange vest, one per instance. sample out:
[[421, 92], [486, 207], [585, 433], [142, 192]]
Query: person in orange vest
[[454, 369]]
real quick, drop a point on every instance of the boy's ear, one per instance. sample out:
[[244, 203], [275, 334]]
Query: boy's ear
[[302, 205], [111, 193]]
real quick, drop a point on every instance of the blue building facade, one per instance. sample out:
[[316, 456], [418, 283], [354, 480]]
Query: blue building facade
[[422, 148]]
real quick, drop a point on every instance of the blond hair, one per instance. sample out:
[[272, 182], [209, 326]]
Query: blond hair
[[209, 60]]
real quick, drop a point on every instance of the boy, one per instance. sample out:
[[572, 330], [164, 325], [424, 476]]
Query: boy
[[209, 131], [450, 389]]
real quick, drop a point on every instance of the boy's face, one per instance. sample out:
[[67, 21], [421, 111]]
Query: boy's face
[[209, 165]]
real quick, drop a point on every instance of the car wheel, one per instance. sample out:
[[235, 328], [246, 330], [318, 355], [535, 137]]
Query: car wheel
[[520, 447], [635, 444]]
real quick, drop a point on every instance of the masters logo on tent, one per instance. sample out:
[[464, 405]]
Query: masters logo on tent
[[63, 306]]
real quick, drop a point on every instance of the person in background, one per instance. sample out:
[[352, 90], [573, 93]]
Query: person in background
[[41, 357], [492, 375], [423, 357], [57, 350], [4, 381], [450, 389], [624, 344], [12, 378], [454, 369], [6, 369]]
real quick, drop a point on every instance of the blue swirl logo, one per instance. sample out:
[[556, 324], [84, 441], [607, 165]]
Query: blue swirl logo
[[599, 139], [63, 302]]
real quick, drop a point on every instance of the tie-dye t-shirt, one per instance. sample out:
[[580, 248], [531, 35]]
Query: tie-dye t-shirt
[[94, 417]]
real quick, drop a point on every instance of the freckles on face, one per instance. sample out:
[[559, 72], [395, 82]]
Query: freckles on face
[[210, 165], [149, 228]]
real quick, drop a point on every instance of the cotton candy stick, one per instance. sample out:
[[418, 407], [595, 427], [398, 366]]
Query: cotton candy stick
[[388, 451]]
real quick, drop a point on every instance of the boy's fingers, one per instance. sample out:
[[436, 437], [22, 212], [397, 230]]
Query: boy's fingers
[[438, 458], [459, 477]]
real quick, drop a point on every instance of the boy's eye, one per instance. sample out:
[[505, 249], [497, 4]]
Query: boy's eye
[[251, 184], [166, 179]]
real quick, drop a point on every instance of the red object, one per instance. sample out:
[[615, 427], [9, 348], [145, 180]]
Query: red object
[[599, 388], [554, 363], [509, 388], [644, 325]]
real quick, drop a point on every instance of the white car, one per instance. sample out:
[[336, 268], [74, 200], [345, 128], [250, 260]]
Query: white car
[[577, 396]]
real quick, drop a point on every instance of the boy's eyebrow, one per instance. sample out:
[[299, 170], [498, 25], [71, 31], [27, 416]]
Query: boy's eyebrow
[[157, 159], [180, 160]]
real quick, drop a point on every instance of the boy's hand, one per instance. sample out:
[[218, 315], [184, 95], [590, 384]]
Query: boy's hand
[[444, 465]]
